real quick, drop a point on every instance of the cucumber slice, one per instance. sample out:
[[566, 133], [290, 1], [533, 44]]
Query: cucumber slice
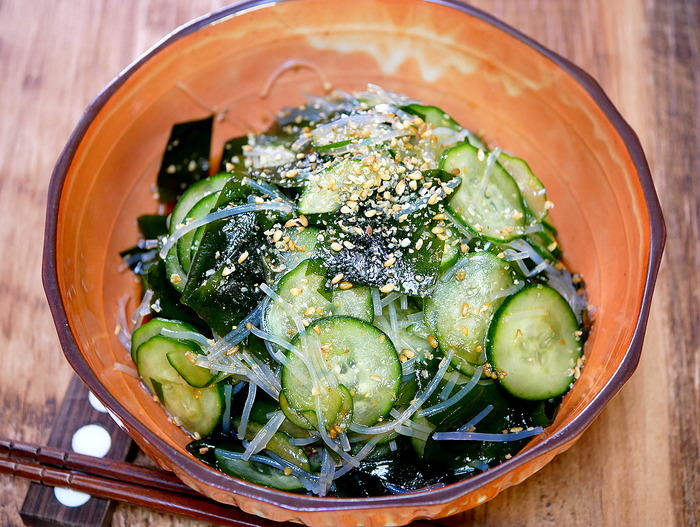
[[531, 188], [488, 201], [191, 373], [304, 297], [300, 246], [354, 302], [322, 193], [154, 327], [418, 443], [187, 201], [534, 343], [188, 244], [279, 444], [199, 410], [360, 356], [465, 299], [230, 463]]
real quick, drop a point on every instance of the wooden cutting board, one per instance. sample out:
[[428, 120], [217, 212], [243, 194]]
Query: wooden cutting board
[[636, 465]]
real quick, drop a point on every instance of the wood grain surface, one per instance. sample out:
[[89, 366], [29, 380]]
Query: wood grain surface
[[638, 464]]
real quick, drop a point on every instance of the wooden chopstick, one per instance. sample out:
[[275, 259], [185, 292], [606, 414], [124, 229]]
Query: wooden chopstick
[[103, 478], [109, 468]]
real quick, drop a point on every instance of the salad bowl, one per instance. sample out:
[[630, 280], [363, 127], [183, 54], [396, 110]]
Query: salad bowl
[[245, 62]]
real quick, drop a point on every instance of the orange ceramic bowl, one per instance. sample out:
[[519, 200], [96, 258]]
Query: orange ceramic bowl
[[492, 79]]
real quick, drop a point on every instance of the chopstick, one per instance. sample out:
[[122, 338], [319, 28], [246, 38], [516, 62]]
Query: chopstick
[[117, 480], [108, 468]]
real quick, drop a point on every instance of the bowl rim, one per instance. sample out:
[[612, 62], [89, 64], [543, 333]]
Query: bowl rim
[[295, 502]]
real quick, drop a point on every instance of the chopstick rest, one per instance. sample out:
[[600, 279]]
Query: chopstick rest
[[82, 425]]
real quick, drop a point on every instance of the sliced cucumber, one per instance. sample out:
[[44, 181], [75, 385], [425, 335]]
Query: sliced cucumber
[[299, 246], [439, 119], [322, 193], [533, 343], [230, 463], [461, 307], [199, 410], [279, 444], [304, 298], [360, 357], [187, 201], [187, 245], [354, 302], [488, 201], [154, 327], [191, 373], [531, 188]]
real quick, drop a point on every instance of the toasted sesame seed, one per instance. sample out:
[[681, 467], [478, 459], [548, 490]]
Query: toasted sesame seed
[[345, 285], [388, 288], [465, 309], [243, 257], [391, 261], [317, 329], [336, 246], [432, 341], [337, 278], [295, 291]]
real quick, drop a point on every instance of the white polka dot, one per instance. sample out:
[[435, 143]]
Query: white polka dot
[[92, 440], [70, 497], [96, 404]]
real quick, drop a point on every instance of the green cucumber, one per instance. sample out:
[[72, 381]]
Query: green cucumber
[[153, 327], [199, 190], [304, 296], [361, 358], [531, 188], [199, 410], [279, 444], [461, 307], [255, 472], [534, 343], [488, 202]]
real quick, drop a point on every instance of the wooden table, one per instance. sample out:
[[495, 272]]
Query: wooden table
[[639, 462]]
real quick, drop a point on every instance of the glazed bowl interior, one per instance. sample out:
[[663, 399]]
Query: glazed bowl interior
[[248, 61]]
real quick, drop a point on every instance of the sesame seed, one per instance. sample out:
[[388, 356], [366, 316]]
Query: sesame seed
[[345, 285], [465, 309], [336, 246], [295, 291], [432, 341], [388, 288], [317, 329], [243, 257], [391, 261], [337, 278]]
